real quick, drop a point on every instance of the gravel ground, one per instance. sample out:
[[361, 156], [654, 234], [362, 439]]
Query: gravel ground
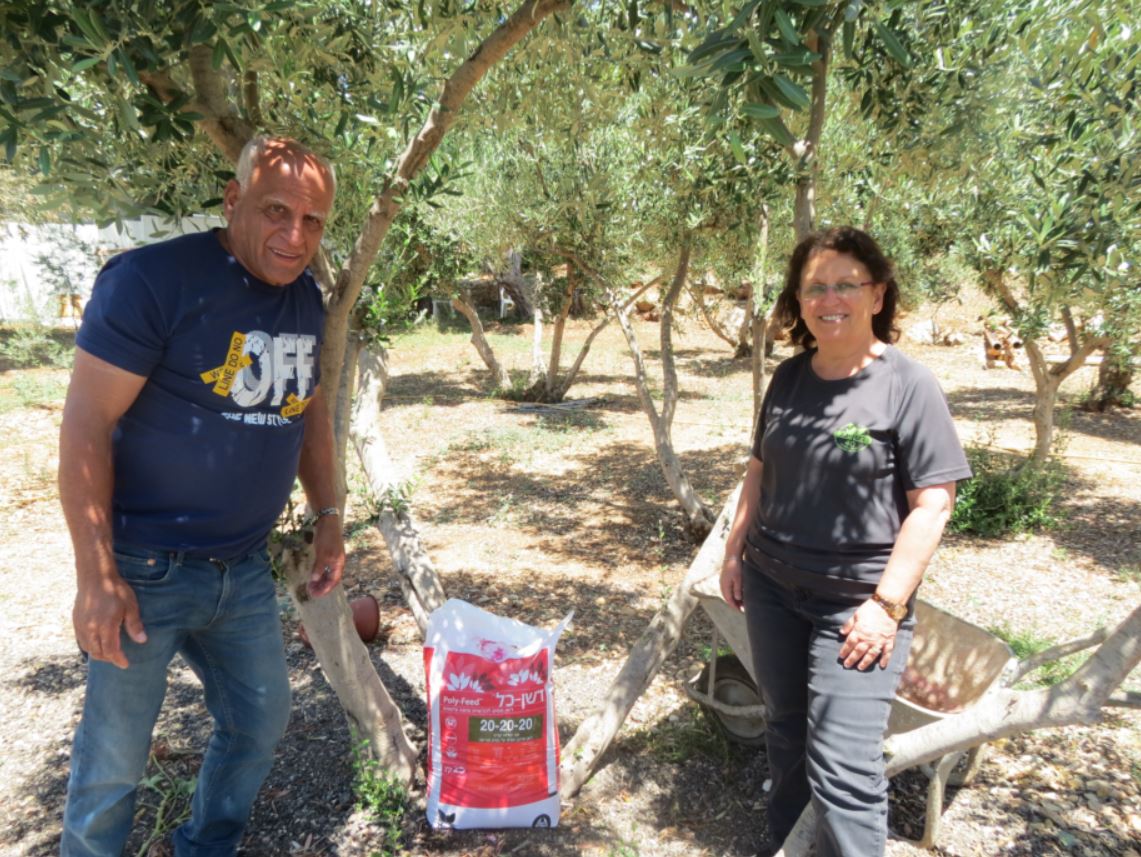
[[599, 534]]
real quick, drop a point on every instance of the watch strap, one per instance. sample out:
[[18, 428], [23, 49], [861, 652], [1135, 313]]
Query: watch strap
[[898, 612]]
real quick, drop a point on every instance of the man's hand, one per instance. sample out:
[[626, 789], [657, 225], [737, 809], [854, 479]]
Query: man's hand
[[731, 578], [101, 610], [328, 556]]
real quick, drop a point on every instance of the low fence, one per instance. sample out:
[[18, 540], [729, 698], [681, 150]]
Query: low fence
[[47, 269]]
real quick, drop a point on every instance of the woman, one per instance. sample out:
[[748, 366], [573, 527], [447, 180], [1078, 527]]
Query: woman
[[850, 483]]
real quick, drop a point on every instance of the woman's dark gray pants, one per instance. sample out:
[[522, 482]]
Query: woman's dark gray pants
[[825, 724]]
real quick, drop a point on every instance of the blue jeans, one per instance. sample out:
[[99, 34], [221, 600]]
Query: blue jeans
[[222, 617], [824, 724]]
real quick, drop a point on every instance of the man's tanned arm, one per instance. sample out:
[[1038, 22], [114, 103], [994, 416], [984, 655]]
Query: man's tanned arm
[[98, 396], [316, 474]]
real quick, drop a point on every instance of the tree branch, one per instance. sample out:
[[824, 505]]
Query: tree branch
[[996, 284], [251, 96], [818, 43], [1028, 665], [441, 117], [1078, 699], [1128, 699], [573, 259], [1078, 357], [699, 518], [557, 333], [419, 581], [669, 368], [479, 340], [1071, 329], [222, 123], [714, 325]]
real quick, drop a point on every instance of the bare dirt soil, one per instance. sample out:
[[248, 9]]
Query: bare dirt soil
[[530, 515]]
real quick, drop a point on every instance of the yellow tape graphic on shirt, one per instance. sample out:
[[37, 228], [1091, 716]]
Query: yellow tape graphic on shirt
[[294, 406], [223, 376]]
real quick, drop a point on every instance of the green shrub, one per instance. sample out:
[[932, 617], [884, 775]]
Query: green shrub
[[32, 344], [381, 794], [1004, 497]]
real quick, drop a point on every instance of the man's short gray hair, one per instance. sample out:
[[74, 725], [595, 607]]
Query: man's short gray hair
[[257, 146]]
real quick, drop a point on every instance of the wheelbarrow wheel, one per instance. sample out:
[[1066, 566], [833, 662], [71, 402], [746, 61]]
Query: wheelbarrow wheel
[[733, 686]]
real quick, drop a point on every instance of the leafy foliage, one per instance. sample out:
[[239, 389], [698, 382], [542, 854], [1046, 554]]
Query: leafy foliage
[[172, 795], [1003, 499], [381, 794], [102, 100], [1055, 196], [31, 344]]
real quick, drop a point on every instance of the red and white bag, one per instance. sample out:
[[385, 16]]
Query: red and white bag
[[493, 740]]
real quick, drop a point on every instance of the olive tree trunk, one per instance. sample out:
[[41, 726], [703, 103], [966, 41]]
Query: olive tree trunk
[[583, 752], [479, 339], [1047, 377], [344, 659], [418, 579], [1114, 378], [699, 518]]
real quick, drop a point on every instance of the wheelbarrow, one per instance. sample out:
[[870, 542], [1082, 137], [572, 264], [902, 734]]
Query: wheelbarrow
[[951, 666]]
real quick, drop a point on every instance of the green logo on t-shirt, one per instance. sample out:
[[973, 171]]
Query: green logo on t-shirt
[[852, 438]]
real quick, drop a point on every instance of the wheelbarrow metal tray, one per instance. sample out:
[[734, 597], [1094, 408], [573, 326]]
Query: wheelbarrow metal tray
[[951, 666]]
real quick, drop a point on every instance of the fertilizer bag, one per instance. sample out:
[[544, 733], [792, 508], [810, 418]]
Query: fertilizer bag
[[493, 741]]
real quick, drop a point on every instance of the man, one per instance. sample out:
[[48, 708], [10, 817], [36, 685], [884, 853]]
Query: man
[[193, 404]]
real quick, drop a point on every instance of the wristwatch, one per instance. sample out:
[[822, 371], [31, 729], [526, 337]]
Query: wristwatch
[[898, 612]]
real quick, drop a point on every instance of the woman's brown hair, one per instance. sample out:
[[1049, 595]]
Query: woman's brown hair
[[860, 246]]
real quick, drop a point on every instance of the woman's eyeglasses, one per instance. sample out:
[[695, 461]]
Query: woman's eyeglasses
[[816, 291]]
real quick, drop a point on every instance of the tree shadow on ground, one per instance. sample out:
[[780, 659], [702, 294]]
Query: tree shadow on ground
[[613, 503], [723, 368], [1118, 424], [48, 678], [681, 355], [182, 715], [1105, 531], [709, 790], [1003, 403], [991, 403], [503, 327], [447, 389], [438, 389], [51, 676]]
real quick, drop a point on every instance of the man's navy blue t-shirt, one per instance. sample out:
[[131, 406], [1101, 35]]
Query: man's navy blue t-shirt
[[206, 456]]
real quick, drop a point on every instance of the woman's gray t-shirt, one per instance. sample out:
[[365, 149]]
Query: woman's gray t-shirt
[[839, 457]]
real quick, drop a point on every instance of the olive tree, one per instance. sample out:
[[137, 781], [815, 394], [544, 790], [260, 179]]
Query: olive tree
[[124, 107], [1055, 195]]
